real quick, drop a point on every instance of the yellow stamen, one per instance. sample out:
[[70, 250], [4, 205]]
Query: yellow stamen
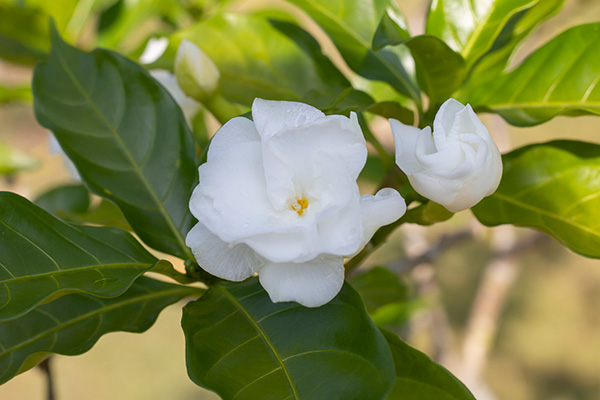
[[300, 205]]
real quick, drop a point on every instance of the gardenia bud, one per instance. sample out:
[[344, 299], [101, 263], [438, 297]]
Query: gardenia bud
[[458, 165], [196, 73]]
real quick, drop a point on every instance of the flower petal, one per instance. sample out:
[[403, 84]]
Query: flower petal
[[406, 138], [234, 263], [311, 284], [188, 105], [382, 209], [272, 117]]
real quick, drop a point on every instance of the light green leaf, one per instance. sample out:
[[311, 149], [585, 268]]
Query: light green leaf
[[391, 30], [419, 378], [351, 25], [559, 78], [42, 258], [495, 62], [126, 135], [553, 187], [23, 34], [242, 346], [72, 324], [274, 60], [13, 160], [15, 93], [471, 27]]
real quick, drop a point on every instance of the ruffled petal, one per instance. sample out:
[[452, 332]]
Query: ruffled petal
[[445, 123], [311, 284], [272, 117], [382, 209], [406, 138], [234, 263]]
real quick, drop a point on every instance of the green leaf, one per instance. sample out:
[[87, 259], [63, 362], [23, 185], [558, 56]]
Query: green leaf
[[427, 213], [559, 78], [496, 60], [126, 135], [392, 109], [72, 324], [351, 25], [242, 346], [23, 34], [553, 187], [471, 27], [42, 258], [274, 60], [391, 30], [13, 160], [419, 378], [64, 200], [378, 287], [15, 93], [440, 70]]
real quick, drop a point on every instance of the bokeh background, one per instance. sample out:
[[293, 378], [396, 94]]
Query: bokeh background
[[513, 314]]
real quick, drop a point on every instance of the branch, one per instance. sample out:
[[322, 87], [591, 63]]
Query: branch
[[46, 368]]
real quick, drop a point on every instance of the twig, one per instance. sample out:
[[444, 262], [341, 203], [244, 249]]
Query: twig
[[45, 366]]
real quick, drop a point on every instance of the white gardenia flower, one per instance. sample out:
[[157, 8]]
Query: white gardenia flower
[[278, 197], [188, 105], [196, 73], [154, 49], [458, 165]]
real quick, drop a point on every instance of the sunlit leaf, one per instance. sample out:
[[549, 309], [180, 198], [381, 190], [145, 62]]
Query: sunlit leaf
[[552, 187], [126, 136], [420, 378], [244, 347], [42, 258], [559, 78], [72, 324]]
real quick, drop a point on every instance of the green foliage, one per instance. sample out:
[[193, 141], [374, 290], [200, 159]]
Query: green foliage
[[559, 78], [352, 25], [13, 160], [419, 378], [379, 287], [239, 45], [243, 346], [113, 119], [553, 187], [42, 258], [72, 324]]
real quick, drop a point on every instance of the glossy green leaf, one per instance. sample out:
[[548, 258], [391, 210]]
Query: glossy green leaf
[[72, 324], [126, 135], [559, 78], [553, 187], [273, 60], [42, 258], [351, 25], [378, 287], [13, 160], [64, 200], [242, 346], [420, 378], [471, 27], [496, 60]]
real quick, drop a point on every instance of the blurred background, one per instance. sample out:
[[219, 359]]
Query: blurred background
[[512, 313]]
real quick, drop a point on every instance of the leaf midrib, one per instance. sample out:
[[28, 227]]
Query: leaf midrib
[[263, 336], [129, 157], [102, 310]]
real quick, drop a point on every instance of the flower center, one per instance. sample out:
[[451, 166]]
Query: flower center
[[300, 205]]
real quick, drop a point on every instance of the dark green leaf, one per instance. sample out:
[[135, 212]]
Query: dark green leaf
[[392, 109], [552, 187], [42, 258], [13, 160], [469, 27], [243, 346], [63, 200], [419, 378], [440, 70], [391, 30], [273, 60], [126, 135], [352, 25], [559, 78], [428, 213], [378, 287], [72, 324]]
